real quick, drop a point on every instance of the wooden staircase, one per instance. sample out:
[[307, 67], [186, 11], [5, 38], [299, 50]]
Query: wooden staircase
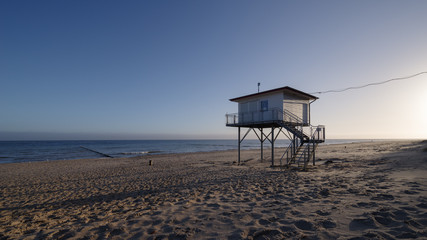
[[302, 148]]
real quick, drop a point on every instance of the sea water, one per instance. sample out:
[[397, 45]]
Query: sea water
[[30, 151]]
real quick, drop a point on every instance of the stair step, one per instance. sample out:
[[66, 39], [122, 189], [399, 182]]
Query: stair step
[[304, 152]]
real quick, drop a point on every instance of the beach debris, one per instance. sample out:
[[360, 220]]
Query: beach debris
[[334, 160]]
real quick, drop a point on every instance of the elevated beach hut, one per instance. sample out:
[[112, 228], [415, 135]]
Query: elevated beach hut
[[286, 110]]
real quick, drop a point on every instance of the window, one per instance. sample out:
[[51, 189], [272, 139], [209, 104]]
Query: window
[[264, 105]]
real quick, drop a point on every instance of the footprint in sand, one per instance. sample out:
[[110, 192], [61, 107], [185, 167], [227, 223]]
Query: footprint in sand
[[327, 223], [381, 196], [403, 232], [63, 234], [358, 224], [415, 224], [263, 222], [323, 213], [366, 204], [116, 231], [400, 214], [422, 205], [295, 212], [167, 229], [410, 192], [268, 234], [304, 225], [384, 219], [213, 205]]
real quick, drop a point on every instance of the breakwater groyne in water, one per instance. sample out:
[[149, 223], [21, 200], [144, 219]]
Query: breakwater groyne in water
[[100, 153]]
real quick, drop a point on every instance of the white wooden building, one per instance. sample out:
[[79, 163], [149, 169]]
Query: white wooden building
[[284, 108], [272, 105]]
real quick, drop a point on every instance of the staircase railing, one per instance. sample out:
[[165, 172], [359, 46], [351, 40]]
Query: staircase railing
[[289, 154], [291, 117], [317, 136], [306, 154], [317, 133], [297, 151]]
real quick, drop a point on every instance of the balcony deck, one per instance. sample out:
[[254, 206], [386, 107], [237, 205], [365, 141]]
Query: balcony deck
[[263, 124], [277, 119]]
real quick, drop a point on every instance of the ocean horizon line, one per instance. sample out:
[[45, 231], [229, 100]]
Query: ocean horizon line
[[192, 139], [46, 150]]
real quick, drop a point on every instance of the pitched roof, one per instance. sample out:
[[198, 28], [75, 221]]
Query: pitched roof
[[282, 89]]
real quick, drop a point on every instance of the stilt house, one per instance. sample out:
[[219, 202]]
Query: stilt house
[[286, 110]]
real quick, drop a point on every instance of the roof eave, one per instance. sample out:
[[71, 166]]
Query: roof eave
[[275, 90]]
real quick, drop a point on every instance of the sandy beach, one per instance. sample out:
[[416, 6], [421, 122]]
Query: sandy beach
[[371, 190]]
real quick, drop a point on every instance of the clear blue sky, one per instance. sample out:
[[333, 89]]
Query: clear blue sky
[[166, 69]]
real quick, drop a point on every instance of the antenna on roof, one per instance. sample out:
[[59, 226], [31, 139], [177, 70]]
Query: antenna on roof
[[258, 86]]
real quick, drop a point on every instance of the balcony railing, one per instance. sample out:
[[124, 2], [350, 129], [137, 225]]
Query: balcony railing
[[254, 117], [316, 133], [263, 116]]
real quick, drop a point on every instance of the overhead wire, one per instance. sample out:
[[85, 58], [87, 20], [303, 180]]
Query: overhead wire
[[370, 84]]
